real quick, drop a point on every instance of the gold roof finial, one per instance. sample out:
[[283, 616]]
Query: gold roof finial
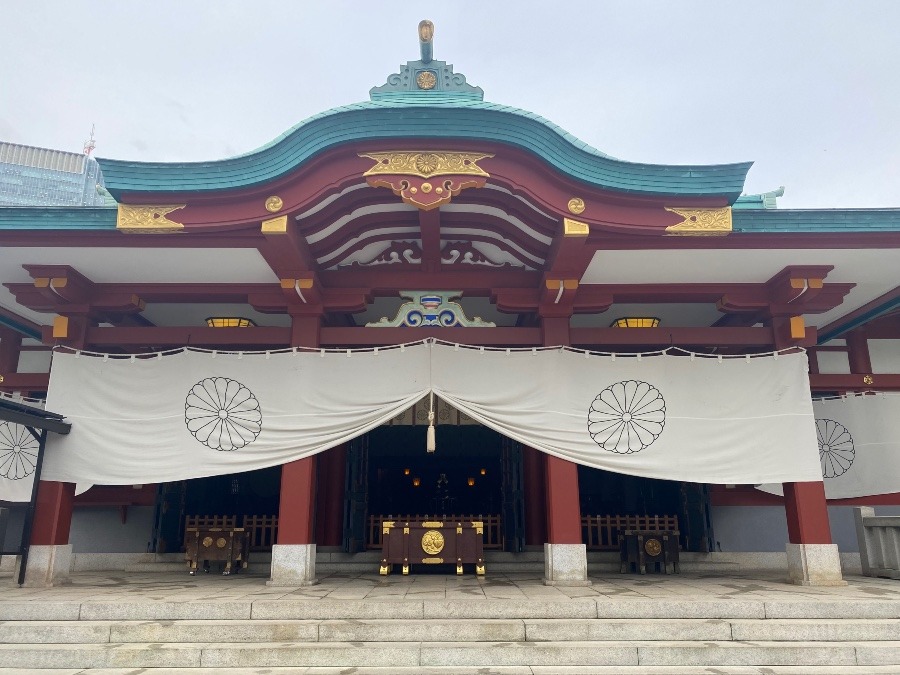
[[426, 36]]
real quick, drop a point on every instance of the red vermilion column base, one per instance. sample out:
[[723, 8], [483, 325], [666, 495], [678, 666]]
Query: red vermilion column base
[[807, 513], [53, 513], [563, 507], [296, 512]]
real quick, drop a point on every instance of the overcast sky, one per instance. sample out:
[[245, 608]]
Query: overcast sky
[[810, 91]]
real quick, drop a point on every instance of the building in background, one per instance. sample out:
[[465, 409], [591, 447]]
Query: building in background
[[32, 176]]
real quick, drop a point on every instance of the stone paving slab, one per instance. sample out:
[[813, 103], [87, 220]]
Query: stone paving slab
[[482, 670], [553, 630], [812, 630], [747, 654]]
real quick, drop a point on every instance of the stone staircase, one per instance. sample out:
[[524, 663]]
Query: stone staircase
[[485, 636]]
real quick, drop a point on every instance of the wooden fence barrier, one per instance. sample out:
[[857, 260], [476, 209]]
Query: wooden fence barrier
[[601, 533], [262, 530]]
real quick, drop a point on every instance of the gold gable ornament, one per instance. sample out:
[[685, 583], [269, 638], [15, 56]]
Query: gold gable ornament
[[701, 222], [147, 219]]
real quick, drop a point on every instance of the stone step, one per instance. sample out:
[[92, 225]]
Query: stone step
[[489, 608], [454, 630], [482, 670], [414, 654]]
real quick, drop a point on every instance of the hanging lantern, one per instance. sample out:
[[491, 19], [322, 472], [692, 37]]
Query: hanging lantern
[[483, 472], [229, 322], [636, 322], [417, 481], [470, 481], [405, 472]]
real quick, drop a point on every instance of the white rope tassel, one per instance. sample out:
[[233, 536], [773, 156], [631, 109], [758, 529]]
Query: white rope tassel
[[430, 442]]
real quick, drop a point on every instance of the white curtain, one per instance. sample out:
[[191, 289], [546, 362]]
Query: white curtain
[[667, 416], [859, 445], [18, 458], [193, 413]]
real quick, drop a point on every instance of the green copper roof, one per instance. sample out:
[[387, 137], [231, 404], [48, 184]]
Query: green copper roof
[[58, 217], [425, 115], [818, 221]]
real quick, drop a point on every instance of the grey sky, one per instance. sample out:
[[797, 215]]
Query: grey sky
[[808, 90]]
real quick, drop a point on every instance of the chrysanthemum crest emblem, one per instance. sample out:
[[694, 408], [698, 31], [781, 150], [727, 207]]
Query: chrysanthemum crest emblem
[[836, 451], [18, 451], [627, 416], [222, 414]]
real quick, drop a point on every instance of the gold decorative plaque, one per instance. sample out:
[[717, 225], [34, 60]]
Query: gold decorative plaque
[[221, 541], [433, 561], [575, 228], [426, 163], [147, 219], [653, 547], [207, 541], [274, 204], [432, 523], [867, 379], [432, 542], [275, 225], [426, 79], [701, 222], [576, 205]]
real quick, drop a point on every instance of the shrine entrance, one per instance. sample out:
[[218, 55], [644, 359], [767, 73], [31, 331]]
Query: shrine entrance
[[475, 475]]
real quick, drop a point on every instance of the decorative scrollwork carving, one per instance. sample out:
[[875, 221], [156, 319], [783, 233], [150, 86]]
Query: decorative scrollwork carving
[[147, 219], [701, 222], [426, 163]]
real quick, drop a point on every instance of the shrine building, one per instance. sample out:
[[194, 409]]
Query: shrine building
[[643, 333]]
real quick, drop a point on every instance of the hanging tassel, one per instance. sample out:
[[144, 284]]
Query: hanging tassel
[[430, 442]]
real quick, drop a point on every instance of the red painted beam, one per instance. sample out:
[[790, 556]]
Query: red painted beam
[[679, 337], [374, 337], [198, 336], [25, 381], [887, 382]]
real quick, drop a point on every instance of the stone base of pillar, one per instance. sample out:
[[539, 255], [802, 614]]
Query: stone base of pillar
[[47, 566], [814, 565], [565, 565], [293, 565]]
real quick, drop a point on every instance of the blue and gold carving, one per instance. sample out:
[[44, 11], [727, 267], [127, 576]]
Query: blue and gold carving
[[428, 308]]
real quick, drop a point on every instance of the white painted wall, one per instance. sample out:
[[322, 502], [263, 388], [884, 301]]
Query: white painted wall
[[34, 362], [100, 530], [764, 528], [833, 363], [885, 356]]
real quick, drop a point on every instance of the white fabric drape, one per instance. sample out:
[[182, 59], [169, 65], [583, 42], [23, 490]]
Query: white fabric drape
[[859, 445], [18, 457], [193, 414], [665, 416]]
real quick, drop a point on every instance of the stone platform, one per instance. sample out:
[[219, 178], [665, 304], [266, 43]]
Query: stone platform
[[507, 624]]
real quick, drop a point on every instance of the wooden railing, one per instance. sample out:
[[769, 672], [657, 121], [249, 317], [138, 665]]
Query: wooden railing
[[493, 534], [601, 533], [263, 530]]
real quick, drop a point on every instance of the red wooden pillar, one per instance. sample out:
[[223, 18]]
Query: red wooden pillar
[[10, 346], [561, 475], [297, 505], [804, 503], [858, 353], [807, 513], [563, 507], [330, 496], [53, 513], [535, 497], [296, 512]]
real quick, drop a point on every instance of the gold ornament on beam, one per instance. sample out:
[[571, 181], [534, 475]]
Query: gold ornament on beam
[[701, 222], [147, 219], [576, 205], [426, 163], [274, 204]]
